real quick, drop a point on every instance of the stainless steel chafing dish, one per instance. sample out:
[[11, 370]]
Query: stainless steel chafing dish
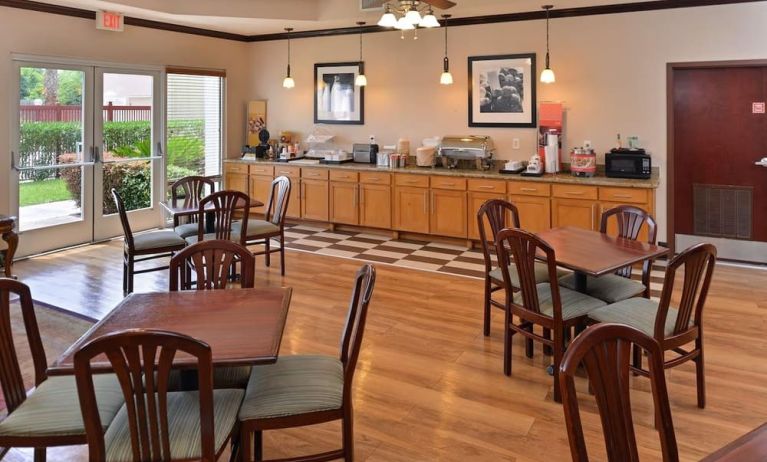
[[479, 149]]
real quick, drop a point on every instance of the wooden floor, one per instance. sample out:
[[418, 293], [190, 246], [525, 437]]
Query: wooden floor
[[429, 385]]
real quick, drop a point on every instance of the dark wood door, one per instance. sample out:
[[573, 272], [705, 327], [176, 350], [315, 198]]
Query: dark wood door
[[718, 136]]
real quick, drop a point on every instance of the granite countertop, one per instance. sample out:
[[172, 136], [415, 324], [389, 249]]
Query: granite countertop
[[563, 178]]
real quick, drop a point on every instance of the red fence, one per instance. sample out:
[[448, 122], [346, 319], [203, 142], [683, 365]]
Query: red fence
[[57, 113]]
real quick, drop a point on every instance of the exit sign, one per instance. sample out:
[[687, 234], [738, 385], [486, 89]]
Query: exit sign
[[107, 20]]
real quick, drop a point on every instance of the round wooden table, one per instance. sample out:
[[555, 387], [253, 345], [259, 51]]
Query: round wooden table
[[12, 240]]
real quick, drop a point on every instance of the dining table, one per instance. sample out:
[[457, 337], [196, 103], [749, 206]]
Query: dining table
[[243, 327], [188, 208], [751, 447], [591, 253]]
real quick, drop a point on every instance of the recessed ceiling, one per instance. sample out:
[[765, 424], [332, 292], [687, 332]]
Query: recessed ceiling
[[256, 17]]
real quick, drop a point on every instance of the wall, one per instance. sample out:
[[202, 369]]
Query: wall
[[27, 32], [611, 75]]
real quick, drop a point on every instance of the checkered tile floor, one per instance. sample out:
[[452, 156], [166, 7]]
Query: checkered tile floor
[[427, 256]]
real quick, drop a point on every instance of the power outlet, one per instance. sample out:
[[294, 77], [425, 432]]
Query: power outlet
[[515, 143]]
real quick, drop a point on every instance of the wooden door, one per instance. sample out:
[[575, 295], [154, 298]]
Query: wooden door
[[574, 212], [344, 206], [475, 201], [260, 187], [375, 205], [411, 209], [448, 213], [534, 212], [719, 133], [314, 200]]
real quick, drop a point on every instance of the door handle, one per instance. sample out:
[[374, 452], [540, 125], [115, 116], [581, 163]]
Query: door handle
[[762, 163]]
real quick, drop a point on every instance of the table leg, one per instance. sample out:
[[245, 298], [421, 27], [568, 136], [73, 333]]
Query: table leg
[[581, 282], [12, 239], [210, 223], [189, 380]]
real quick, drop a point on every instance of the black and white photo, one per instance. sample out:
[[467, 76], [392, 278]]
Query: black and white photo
[[502, 91], [337, 100]]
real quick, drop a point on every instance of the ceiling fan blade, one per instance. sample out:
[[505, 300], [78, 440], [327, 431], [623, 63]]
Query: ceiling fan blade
[[441, 4], [372, 4]]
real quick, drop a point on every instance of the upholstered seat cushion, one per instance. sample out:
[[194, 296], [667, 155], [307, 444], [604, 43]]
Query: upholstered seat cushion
[[183, 425], [157, 240], [187, 229], [611, 288], [574, 304], [639, 313], [53, 408], [294, 385], [223, 377], [257, 228], [541, 273]]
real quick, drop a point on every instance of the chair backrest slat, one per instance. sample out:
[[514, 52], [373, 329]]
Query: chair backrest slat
[[142, 361], [279, 197], [192, 189], [351, 340], [630, 221], [605, 352], [496, 212], [224, 207], [211, 262]]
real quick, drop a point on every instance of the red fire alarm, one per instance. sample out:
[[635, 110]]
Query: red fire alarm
[[107, 20], [757, 108]]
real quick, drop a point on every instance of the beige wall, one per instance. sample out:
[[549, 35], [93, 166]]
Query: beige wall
[[611, 74], [27, 32]]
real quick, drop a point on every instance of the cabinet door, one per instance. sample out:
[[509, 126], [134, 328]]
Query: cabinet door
[[375, 206], [260, 186], [411, 209], [448, 213], [343, 203], [294, 204], [574, 212], [236, 181], [476, 199], [314, 200], [534, 212]]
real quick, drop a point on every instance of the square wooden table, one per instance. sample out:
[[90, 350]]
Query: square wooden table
[[184, 208], [242, 326], [751, 446], [591, 253]]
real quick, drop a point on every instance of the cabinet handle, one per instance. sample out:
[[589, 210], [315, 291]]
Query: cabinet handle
[[411, 181], [623, 196], [574, 193], [373, 178], [529, 189], [490, 187], [425, 202], [355, 195], [448, 184], [362, 195], [432, 202]]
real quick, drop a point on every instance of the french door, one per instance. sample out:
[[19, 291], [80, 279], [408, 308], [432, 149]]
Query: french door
[[80, 131]]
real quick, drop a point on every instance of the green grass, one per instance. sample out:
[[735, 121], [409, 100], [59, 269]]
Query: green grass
[[43, 192]]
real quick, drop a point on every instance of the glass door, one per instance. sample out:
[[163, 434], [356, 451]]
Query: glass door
[[128, 136], [52, 155]]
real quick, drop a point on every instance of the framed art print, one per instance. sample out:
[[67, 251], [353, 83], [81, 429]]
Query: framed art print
[[337, 100], [502, 91]]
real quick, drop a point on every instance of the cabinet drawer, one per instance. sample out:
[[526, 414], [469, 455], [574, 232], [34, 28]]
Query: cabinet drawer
[[265, 170], [574, 192], [236, 167], [448, 182], [627, 195], [488, 186], [529, 188], [315, 173], [375, 178], [290, 172], [343, 175], [418, 181]]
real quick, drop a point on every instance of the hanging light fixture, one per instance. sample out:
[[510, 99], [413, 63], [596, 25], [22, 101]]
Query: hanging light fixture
[[404, 24], [410, 16], [361, 80], [288, 82], [446, 78], [429, 20], [547, 76], [413, 16], [388, 19]]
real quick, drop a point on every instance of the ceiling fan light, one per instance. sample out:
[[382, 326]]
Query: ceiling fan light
[[404, 24], [429, 21], [388, 20], [413, 17]]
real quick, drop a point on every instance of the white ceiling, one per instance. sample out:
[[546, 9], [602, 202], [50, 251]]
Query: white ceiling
[[255, 17]]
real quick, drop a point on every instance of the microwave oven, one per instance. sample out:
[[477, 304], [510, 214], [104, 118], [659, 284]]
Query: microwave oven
[[627, 164]]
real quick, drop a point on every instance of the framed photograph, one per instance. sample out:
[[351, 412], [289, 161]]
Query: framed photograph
[[337, 100], [502, 91]]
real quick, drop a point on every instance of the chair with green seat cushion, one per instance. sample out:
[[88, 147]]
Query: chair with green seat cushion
[[307, 390], [50, 415], [273, 225], [619, 286], [555, 309], [143, 247], [222, 209], [673, 328], [165, 425], [189, 190]]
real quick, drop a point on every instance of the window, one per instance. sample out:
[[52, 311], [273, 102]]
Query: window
[[194, 124]]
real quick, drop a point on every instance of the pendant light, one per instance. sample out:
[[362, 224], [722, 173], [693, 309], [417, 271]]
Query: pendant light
[[413, 16], [547, 76], [288, 82], [361, 80], [446, 78]]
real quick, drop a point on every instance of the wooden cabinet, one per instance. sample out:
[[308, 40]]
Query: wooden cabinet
[[314, 200], [236, 177], [574, 212], [344, 203], [448, 213], [260, 187], [481, 191], [411, 209], [534, 212], [294, 174], [375, 205]]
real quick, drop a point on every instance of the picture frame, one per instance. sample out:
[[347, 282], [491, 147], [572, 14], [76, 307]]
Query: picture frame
[[502, 91], [337, 100]]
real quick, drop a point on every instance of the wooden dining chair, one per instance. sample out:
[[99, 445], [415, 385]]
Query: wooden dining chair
[[307, 390], [496, 213], [212, 263], [217, 212], [605, 352], [155, 424], [556, 309], [191, 190], [619, 286], [672, 327], [50, 415], [142, 247], [273, 225]]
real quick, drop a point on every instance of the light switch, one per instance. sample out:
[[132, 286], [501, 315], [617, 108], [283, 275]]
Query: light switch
[[515, 143]]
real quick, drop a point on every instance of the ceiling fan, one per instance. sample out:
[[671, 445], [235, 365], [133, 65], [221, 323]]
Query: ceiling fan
[[406, 4], [412, 13]]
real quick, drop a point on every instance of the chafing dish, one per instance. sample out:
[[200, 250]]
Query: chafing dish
[[479, 149]]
